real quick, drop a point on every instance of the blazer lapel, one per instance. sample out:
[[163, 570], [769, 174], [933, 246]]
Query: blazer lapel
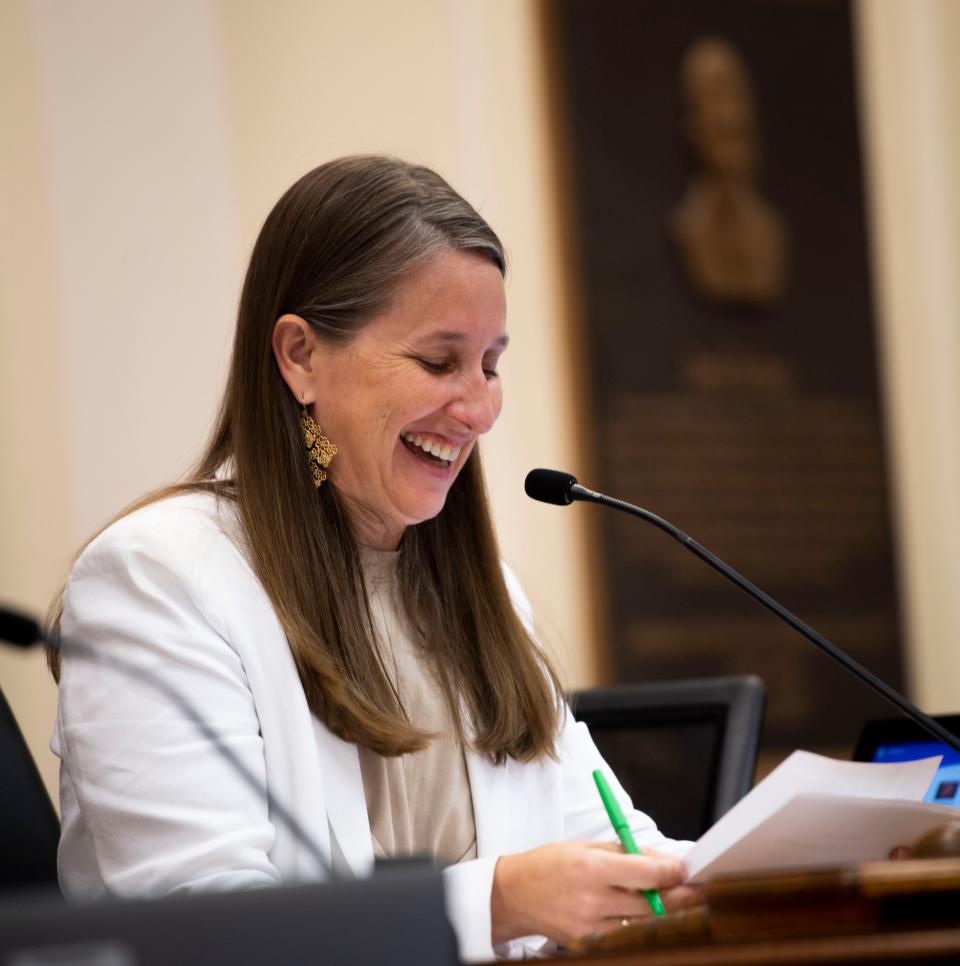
[[346, 805], [516, 805], [490, 791]]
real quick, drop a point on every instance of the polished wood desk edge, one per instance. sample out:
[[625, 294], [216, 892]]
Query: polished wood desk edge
[[919, 946], [867, 878], [906, 911]]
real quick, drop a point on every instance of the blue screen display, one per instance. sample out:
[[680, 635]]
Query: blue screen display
[[945, 787]]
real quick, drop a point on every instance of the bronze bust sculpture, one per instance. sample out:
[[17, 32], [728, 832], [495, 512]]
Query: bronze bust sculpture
[[732, 245]]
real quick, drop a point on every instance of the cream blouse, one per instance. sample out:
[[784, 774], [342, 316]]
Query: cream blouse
[[418, 803]]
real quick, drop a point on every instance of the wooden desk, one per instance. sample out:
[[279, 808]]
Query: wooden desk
[[877, 912], [918, 947]]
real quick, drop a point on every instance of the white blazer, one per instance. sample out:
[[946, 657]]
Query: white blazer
[[150, 807]]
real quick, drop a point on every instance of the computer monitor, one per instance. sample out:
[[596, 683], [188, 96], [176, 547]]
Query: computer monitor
[[395, 918], [900, 739], [29, 829], [684, 751]]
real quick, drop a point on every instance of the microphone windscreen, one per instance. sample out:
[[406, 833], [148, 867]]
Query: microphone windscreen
[[18, 628], [550, 486]]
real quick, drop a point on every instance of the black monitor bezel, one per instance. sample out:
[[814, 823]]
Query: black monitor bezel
[[889, 731]]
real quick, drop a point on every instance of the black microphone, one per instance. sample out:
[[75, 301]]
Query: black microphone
[[561, 489], [18, 629], [550, 486], [23, 631]]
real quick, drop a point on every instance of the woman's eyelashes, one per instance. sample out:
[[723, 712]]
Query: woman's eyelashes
[[444, 366], [437, 368]]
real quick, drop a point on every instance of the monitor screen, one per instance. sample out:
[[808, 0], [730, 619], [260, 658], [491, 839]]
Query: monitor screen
[[945, 787], [902, 740]]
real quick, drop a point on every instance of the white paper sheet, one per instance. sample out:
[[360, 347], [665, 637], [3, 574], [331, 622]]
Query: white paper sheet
[[827, 830], [813, 786]]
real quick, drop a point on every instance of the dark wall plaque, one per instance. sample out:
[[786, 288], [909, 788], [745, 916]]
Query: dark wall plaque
[[740, 403]]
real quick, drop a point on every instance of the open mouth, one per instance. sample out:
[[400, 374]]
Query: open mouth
[[430, 451]]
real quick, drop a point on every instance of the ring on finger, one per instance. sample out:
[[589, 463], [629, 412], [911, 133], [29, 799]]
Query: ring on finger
[[625, 921]]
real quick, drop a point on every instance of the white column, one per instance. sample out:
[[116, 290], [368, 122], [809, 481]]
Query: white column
[[911, 96], [145, 262]]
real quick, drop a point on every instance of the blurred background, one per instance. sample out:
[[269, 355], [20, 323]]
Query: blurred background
[[143, 143]]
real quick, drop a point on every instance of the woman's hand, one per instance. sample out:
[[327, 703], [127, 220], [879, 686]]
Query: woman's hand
[[567, 890]]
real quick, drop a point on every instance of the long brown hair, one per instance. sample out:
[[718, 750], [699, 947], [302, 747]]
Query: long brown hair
[[332, 251]]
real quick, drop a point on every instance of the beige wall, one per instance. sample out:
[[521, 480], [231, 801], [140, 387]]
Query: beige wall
[[36, 472], [911, 83], [143, 143], [464, 93], [150, 141]]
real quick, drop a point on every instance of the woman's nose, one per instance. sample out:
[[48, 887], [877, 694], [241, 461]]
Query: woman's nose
[[478, 404]]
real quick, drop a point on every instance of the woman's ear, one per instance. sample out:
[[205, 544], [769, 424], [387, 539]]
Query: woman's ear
[[294, 347]]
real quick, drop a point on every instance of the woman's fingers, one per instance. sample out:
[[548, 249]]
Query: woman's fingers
[[629, 908], [567, 890], [633, 904], [625, 905], [683, 897], [647, 871]]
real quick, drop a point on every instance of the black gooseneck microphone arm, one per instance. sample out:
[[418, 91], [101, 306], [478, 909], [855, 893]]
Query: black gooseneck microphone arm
[[552, 486], [23, 631]]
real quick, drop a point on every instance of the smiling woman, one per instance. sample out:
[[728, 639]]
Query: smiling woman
[[326, 585], [405, 401]]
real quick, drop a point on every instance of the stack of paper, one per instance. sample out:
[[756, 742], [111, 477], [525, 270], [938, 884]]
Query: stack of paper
[[814, 811]]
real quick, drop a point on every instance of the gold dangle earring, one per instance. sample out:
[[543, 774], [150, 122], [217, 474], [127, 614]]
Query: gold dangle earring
[[320, 451]]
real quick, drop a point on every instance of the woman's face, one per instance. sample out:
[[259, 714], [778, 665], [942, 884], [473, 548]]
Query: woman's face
[[407, 399]]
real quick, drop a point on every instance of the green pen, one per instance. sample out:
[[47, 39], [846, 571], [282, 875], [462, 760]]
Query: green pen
[[620, 826]]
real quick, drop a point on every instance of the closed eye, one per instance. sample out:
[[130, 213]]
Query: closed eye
[[446, 366], [437, 368], [490, 361]]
